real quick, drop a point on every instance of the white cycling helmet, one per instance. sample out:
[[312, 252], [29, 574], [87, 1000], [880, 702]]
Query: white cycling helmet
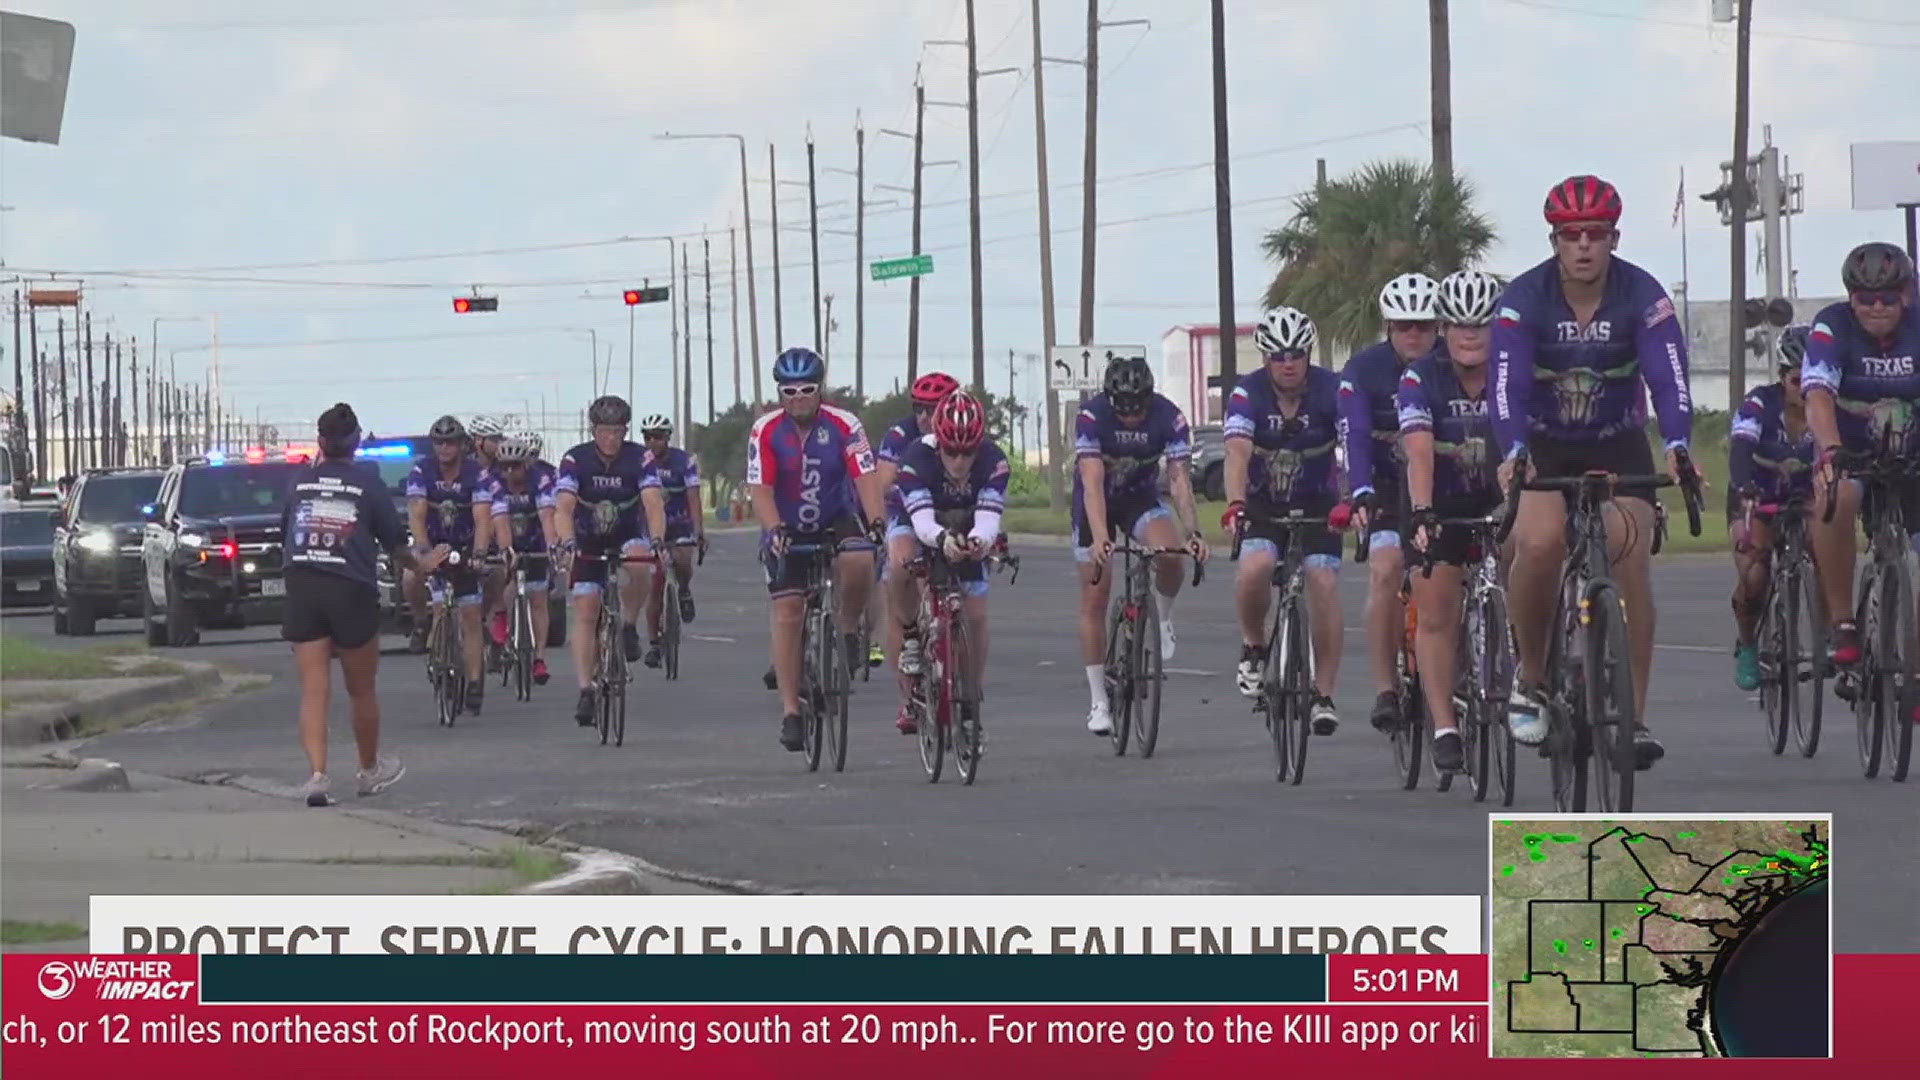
[[1285, 328], [514, 447], [483, 426], [1409, 298], [656, 422], [1467, 297], [532, 438]]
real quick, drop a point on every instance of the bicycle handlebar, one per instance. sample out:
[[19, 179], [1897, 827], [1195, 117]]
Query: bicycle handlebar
[[1292, 519], [1602, 481], [1199, 568]]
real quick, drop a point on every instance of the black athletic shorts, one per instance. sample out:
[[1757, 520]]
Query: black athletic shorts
[[788, 577], [1123, 516], [1452, 545], [1387, 510], [322, 606], [1262, 533], [1625, 454]]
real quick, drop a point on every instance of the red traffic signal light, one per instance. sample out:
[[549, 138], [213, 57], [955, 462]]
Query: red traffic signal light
[[464, 304], [652, 294], [631, 296]]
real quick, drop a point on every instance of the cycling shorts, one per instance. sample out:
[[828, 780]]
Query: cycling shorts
[[464, 580], [1264, 536], [1454, 546], [1625, 454], [590, 574], [1129, 514], [788, 577]]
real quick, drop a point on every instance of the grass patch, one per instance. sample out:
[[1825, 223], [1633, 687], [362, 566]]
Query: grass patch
[[152, 669], [24, 659], [526, 863], [38, 695], [15, 932]]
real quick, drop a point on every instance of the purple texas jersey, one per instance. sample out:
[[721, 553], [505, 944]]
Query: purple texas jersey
[[678, 474], [1369, 421], [608, 491], [522, 508], [1291, 462], [450, 503], [925, 485], [1554, 377], [1874, 383], [810, 469], [1763, 454], [1432, 400], [892, 446], [1132, 454]]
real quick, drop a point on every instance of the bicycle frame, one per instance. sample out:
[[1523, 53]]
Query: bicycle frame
[[946, 695], [609, 681], [1132, 675], [1286, 718]]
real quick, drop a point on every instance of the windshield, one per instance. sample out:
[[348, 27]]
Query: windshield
[[108, 500], [27, 528], [227, 490]]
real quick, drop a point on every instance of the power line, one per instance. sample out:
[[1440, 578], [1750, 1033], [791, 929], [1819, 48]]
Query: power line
[[1691, 25]]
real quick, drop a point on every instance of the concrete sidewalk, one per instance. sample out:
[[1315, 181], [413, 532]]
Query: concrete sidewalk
[[72, 828]]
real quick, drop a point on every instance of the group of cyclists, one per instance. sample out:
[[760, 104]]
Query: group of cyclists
[[1473, 379]]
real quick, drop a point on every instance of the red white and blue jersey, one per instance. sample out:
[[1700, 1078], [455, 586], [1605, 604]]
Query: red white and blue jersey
[[1874, 383], [1293, 459], [1431, 399], [1369, 421], [1556, 378], [893, 445], [450, 503], [925, 484], [522, 508], [608, 490], [1132, 455], [678, 474], [811, 469]]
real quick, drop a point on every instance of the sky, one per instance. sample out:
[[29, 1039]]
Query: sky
[[283, 165]]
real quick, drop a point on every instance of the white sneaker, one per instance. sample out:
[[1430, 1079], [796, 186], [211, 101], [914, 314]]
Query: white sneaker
[[1099, 721], [910, 656], [1526, 719], [1249, 676], [318, 790], [385, 772], [1166, 639]]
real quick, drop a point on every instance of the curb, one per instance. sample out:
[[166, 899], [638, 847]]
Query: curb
[[600, 872], [60, 722]]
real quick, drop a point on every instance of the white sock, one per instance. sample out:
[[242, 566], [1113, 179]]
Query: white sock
[[1166, 605], [1097, 683]]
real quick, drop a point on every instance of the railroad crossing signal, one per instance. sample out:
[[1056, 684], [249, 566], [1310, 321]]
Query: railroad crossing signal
[[649, 295], [464, 304]]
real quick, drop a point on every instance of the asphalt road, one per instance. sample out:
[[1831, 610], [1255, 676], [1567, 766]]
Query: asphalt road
[[702, 786]]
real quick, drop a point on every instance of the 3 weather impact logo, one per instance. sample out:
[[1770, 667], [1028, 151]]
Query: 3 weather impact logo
[[115, 980]]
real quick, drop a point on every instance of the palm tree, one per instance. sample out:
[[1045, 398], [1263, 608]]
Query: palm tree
[[1347, 238]]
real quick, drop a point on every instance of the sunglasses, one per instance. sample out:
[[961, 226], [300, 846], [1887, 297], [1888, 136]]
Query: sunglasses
[[654, 434], [800, 390], [1285, 355], [1886, 298], [1573, 234], [1411, 327]]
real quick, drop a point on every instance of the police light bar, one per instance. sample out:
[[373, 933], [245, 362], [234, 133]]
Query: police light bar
[[386, 451], [216, 458]]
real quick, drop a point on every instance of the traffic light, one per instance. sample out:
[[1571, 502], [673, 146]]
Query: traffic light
[[651, 295], [464, 304]]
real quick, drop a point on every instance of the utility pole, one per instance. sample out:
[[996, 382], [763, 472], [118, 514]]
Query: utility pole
[[19, 385], [686, 320], [136, 453], [1737, 292], [773, 201], [1772, 203], [1440, 68], [87, 421], [733, 306], [826, 341], [859, 256], [116, 446], [973, 201], [41, 465], [813, 231], [920, 165], [1056, 478], [673, 355], [1091, 159], [66, 398], [706, 273], [1228, 340]]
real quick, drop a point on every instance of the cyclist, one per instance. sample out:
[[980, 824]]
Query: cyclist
[[1574, 340], [900, 587], [1859, 373], [1282, 425], [800, 459], [1370, 435], [685, 523], [598, 513], [484, 433], [523, 500], [1770, 460], [1444, 428], [955, 472], [1122, 436], [449, 504]]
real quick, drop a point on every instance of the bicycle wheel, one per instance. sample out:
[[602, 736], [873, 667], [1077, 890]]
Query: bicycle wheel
[[929, 699], [1149, 677], [1810, 665], [1869, 713], [1301, 686], [452, 693], [839, 683], [1610, 699], [1468, 708], [1897, 668], [1409, 731], [1493, 676], [1276, 698], [610, 652], [965, 728], [1120, 675], [817, 656], [523, 647], [670, 623], [1567, 747], [1778, 645]]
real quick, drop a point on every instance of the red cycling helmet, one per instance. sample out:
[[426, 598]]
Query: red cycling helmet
[[1583, 198], [930, 388], [959, 423]]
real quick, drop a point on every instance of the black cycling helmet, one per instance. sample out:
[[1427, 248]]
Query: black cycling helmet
[[447, 429], [610, 410], [1793, 344], [1875, 266], [1129, 384]]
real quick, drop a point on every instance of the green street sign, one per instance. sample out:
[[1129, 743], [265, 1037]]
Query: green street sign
[[911, 266]]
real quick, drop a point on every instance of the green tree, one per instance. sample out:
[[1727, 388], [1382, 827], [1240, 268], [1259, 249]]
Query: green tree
[[1348, 238]]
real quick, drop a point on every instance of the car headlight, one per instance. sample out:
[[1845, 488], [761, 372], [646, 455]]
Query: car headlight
[[192, 539], [100, 543]]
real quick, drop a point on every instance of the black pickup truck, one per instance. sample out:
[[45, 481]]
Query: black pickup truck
[[211, 547], [96, 547]]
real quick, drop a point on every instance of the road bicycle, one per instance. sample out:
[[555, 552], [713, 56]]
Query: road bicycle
[[670, 606], [516, 668], [1287, 687], [1884, 688], [826, 678], [1792, 635], [1134, 673], [1483, 673], [945, 696], [446, 654], [611, 672]]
